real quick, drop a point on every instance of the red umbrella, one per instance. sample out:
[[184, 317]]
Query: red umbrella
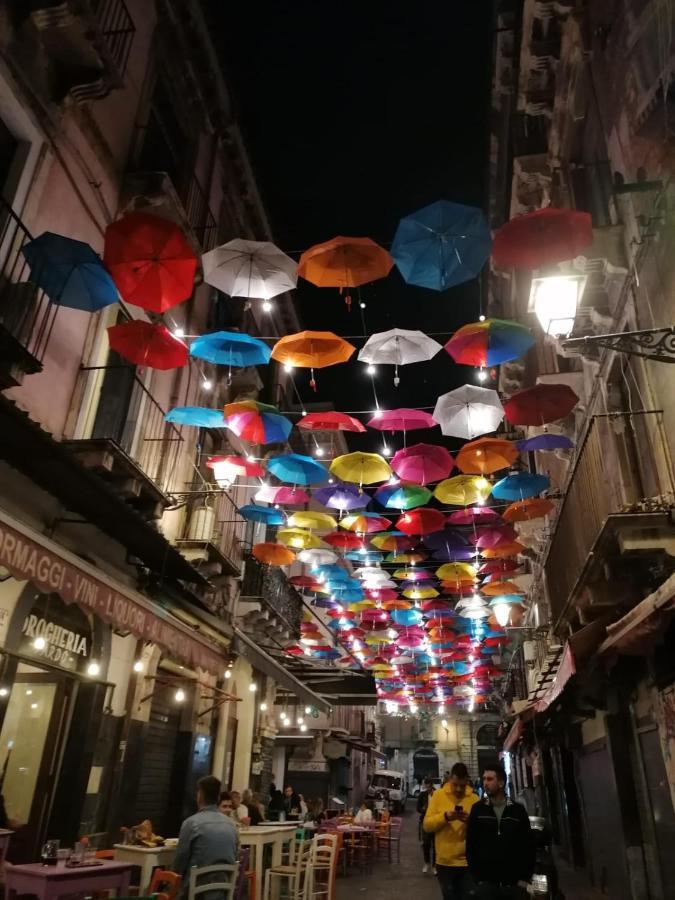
[[494, 537], [236, 465], [330, 421], [150, 261], [540, 404], [421, 521], [344, 540], [541, 238], [422, 463], [382, 594], [306, 581], [498, 567], [145, 344]]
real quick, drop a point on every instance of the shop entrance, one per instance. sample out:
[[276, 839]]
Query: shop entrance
[[31, 743]]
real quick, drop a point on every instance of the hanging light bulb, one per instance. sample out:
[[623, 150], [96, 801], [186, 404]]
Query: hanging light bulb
[[179, 696], [319, 451], [308, 710], [228, 673], [370, 369], [481, 318], [385, 450], [207, 384], [482, 375], [303, 728], [288, 367], [179, 332], [39, 643], [300, 720], [93, 669], [253, 687], [263, 707], [267, 306], [377, 413], [304, 412], [138, 665]]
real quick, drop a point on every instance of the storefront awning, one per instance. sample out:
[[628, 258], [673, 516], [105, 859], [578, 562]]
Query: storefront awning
[[269, 666], [30, 556], [639, 629]]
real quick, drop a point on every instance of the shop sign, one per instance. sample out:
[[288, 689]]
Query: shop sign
[[49, 572], [65, 631], [307, 765]]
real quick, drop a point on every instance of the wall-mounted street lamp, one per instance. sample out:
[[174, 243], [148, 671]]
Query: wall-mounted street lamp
[[554, 299]]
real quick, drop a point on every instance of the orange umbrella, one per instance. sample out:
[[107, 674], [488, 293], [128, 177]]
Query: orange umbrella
[[485, 456], [345, 262], [504, 551], [312, 350], [499, 588], [273, 554], [524, 510]]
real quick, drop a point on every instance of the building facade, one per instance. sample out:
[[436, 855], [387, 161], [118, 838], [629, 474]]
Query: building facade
[[583, 117]]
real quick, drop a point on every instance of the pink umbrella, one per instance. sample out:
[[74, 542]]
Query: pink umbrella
[[282, 495], [475, 515], [401, 420], [422, 463], [493, 537]]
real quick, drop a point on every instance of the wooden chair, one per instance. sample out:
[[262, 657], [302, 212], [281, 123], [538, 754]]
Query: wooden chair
[[165, 883], [323, 861], [221, 878], [390, 839], [293, 876]]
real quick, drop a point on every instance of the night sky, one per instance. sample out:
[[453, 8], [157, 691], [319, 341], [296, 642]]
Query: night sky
[[355, 115]]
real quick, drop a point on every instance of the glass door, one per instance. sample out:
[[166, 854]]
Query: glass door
[[31, 740]]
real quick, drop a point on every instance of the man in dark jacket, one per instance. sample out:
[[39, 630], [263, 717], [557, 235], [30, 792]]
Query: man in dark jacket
[[500, 848], [427, 840]]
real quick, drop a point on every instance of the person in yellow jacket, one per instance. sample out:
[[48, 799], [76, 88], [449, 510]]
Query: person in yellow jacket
[[446, 817]]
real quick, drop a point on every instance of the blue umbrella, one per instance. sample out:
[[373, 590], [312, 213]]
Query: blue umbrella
[[365, 556], [545, 442], [70, 272], [406, 616], [294, 468], [230, 348], [441, 245], [520, 486], [199, 416], [265, 514]]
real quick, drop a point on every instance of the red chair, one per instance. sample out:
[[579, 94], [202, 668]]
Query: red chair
[[165, 883]]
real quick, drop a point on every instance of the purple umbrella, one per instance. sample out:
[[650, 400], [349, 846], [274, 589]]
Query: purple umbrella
[[448, 539], [341, 496], [545, 442], [465, 554], [475, 515]]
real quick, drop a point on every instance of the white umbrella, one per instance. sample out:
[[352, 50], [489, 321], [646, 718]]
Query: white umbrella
[[469, 411], [316, 556], [249, 269], [398, 347]]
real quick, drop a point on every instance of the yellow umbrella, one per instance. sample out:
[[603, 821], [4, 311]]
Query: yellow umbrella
[[360, 605], [406, 558], [420, 593], [315, 521], [456, 572], [298, 539], [405, 574], [463, 490], [361, 468]]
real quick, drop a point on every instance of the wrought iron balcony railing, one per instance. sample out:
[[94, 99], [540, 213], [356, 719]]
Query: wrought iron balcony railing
[[116, 29], [271, 586], [199, 215]]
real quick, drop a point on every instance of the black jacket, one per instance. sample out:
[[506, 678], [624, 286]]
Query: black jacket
[[500, 852], [423, 802]]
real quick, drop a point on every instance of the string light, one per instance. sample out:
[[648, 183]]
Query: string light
[[228, 674], [288, 367], [263, 707], [207, 384], [319, 451], [39, 643], [370, 369], [253, 687], [376, 413], [179, 696], [93, 669], [481, 318], [482, 375], [267, 306], [179, 332], [138, 665], [303, 728], [385, 450]]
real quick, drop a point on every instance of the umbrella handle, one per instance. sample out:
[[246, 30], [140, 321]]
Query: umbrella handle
[[312, 380], [397, 380]]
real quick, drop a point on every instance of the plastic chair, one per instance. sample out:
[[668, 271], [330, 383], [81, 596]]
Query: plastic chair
[[221, 878], [292, 875], [166, 883]]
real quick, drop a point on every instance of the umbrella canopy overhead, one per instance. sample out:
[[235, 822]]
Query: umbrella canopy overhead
[[474, 515], [489, 343], [330, 421], [145, 344], [365, 523], [298, 538], [421, 521], [312, 350], [197, 416], [527, 510], [545, 441], [231, 349], [295, 468], [469, 411], [541, 238], [345, 262], [422, 463], [520, 486], [441, 245], [317, 557], [463, 490], [264, 514], [230, 467], [273, 554], [402, 496], [402, 419], [69, 272], [150, 261], [243, 268], [361, 468], [485, 456], [540, 404], [341, 496], [284, 496], [315, 521], [398, 347], [257, 422]]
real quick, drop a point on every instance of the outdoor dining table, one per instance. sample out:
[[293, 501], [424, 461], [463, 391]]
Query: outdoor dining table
[[148, 858], [257, 837], [50, 882]]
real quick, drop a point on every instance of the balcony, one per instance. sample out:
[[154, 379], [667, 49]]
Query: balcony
[[26, 315], [614, 518], [131, 444], [270, 609], [116, 31], [214, 530]]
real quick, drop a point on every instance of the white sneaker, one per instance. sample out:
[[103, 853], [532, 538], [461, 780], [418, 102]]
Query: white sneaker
[[434, 870], [425, 869]]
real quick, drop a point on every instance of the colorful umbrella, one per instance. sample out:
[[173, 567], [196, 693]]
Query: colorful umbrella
[[344, 540], [463, 490], [330, 421], [420, 593], [197, 416], [361, 468], [317, 557], [150, 261], [499, 588], [474, 515], [273, 554], [489, 343], [498, 567], [70, 272], [341, 496], [504, 551], [283, 496], [394, 541], [227, 468], [298, 539], [402, 496], [294, 468], [494, 537], [485, 456], [401, 420], [315, 521], [540, 404], [520, 486], [545, 442], [541, 238], [526, 510], [456, 572], [145, 344], [345, 262], [421, 521], [365, 523], [422, 463], [406, 558], [257, 422], [243, 268], [468, 412], [265, 514], [231, 349], [398, 347], [441, 245], [312, 350]]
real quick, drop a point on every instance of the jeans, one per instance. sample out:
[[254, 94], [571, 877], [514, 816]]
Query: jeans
[[428, 848], [453, 881], [483, 890]]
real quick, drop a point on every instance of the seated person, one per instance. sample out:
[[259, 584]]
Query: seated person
[[364, 816]]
